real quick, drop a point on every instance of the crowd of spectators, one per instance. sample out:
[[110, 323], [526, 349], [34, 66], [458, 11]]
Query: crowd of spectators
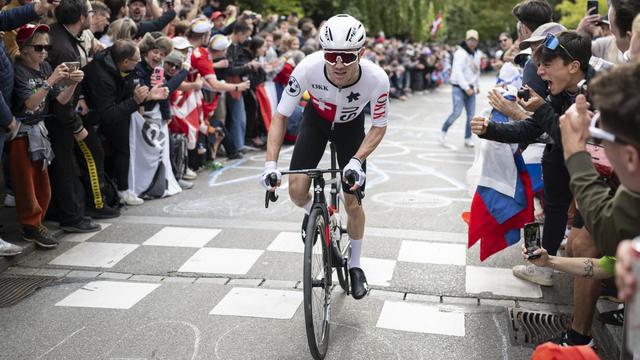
[[108, 103], [583, 106]]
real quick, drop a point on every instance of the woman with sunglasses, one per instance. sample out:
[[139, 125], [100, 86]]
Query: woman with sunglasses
[[36, 84], [340, 84]]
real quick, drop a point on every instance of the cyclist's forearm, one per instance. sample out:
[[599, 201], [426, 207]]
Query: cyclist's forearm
[[371, 141], [276, 136]]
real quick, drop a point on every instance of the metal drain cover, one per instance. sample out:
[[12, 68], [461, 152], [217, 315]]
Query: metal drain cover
[[532, 328], [15, 289]]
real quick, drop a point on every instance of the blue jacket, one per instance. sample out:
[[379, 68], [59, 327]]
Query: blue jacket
[[9, 20]]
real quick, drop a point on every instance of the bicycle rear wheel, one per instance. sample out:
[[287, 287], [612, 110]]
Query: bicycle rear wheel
[[317, 284]]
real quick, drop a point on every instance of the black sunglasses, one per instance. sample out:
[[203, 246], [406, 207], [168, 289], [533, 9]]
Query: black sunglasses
[[172, 65], [41, 48]]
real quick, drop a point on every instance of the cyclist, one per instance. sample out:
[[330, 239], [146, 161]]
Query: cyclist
[[340, 84]]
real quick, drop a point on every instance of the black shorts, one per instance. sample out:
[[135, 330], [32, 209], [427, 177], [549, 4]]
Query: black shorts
[[314, 134]]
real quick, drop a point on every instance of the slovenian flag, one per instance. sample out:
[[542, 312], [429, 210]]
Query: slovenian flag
[[503, 201]]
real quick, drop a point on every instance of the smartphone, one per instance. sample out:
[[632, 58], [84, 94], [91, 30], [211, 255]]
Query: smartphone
[[72, 65], [592, 4], [158, 75], [532, 239]]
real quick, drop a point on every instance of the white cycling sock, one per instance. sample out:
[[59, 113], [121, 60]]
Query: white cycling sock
[[307, 206], [356, 250]]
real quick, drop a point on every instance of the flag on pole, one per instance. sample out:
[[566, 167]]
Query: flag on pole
[[436, 25]]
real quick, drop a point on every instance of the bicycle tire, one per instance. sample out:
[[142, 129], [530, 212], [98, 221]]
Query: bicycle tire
[[317, 299], [343, 271]]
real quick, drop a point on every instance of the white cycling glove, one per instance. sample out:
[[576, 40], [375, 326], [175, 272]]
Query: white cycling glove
[[355, 165], [270, 167]]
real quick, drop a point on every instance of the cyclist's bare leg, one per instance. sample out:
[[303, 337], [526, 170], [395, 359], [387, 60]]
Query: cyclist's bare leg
[[299, 189], [355, 225]]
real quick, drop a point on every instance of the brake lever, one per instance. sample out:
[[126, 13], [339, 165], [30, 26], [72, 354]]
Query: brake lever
[[268, 197], [359, 196], [350, 180]]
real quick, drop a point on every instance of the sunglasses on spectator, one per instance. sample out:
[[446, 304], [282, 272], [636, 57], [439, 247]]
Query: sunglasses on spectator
[[598, 134], [552, 43], [41, 48], [172, 65], [346, 57]]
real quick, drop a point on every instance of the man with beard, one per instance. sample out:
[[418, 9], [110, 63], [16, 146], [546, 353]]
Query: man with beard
[[138, 12], [66, 128]]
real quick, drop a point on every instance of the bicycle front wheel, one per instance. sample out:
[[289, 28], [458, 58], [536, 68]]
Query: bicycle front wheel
[[317, 284]]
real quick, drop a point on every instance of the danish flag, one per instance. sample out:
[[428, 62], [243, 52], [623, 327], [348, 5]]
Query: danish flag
[[326, 110]]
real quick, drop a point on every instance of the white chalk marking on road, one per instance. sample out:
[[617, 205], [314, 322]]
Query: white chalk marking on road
[[196, 337], [61, 342], [108, 295], [182, 237], [94, 254], [503, 337], [499, 281], [413, 317], [432, 253]]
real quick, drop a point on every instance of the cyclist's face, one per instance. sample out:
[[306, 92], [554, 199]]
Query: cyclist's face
[[342, 75]]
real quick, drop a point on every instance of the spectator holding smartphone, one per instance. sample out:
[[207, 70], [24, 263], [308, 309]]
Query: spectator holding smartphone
[[110, 90], [30, 152]]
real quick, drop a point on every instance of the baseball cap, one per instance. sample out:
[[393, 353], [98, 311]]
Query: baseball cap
[[219, 42], [523, 56], [541, 33], [181, 43], [132, 1], [605, 20], [217, 14], [472, 34], [25, 32], [174, 57], [201, 26]]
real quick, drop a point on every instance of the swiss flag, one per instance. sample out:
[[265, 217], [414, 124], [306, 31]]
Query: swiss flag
[[326, 110]]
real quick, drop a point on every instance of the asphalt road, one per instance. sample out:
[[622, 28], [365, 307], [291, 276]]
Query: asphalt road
[[211, 274]]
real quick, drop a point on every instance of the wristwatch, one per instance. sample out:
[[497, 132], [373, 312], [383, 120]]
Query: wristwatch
[[46, 86]]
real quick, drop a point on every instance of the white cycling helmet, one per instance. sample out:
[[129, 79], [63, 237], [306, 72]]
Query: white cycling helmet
[[342, 32]]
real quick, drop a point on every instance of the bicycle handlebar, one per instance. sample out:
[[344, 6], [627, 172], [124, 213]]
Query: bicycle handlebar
[[350, 179]]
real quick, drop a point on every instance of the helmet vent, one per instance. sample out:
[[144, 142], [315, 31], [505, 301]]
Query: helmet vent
[[349, 34]]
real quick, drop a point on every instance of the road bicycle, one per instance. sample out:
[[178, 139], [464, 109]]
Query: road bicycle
[[324, 251]]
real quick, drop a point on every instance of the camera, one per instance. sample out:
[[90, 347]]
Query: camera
[[582, 87], [524, 94]]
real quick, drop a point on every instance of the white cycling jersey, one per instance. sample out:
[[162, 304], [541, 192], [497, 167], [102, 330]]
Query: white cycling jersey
[[333, 103]]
